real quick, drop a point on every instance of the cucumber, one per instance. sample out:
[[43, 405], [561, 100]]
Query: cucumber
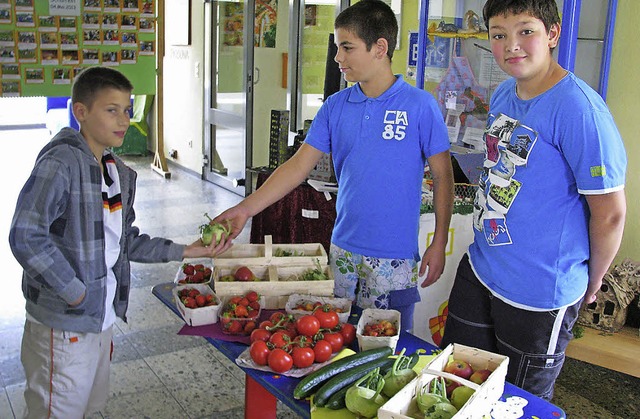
[[336, 401], [348, 377], [326, 395], [313, 381]]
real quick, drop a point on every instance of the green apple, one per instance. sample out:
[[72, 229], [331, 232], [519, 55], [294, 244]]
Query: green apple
[[460, 395]]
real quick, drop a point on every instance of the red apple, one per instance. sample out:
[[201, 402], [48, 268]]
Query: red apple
[[459, 368], [244, 274], [450, 385], [480, 376]]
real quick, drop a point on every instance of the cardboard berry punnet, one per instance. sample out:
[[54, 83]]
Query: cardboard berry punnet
[[197, 316]]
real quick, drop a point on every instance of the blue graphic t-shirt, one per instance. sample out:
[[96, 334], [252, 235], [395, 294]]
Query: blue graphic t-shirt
[[531, 245], [379, 148]]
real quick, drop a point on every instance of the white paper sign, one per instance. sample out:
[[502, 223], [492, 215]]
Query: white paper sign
[[64, 7], [491, 74]]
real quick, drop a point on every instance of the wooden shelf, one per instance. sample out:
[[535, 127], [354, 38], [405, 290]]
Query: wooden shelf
[[464, 35], [618, 351]]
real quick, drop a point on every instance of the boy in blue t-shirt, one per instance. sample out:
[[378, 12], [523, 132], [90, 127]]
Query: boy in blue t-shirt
[[550, 207], [381, 133]]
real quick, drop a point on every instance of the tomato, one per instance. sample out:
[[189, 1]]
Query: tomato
[[280, 361], [308, 325], [276, 317], [259, 352], [303, 357], [244, 274], [260, 334], [348, 332], [264, 324], [280, 339], [335, 339], [328, 319], [303, 341], [323, 350]]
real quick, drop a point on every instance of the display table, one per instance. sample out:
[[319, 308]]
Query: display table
[[262, 389], [303, 216]]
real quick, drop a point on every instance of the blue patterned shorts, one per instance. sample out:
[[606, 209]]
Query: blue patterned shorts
[[376, 283]]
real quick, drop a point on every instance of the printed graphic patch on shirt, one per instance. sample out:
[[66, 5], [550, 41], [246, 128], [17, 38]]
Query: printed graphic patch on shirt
[[496, 231], [598, 171], [395, 125]]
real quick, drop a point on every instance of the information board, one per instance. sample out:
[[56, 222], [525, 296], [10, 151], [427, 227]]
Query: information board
[[45, 43]]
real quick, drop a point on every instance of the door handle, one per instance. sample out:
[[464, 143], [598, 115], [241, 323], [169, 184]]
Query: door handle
[[256, 78]]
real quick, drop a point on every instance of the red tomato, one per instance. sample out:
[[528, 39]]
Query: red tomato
[[260, 334], [244, 274], [335, 339], [275, 317], [303, 357], [264, 324], [308, 325], [280, 361], [328, 319], [348, 332], [303, 341], [259, 352], [280, 339], [323, 350]]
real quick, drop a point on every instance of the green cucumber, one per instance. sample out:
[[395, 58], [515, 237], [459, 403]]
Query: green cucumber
[[330, 394], [314, 380], [348, 377], [336, 401]]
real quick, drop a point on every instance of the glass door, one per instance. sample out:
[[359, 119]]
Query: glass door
[[228, 91]]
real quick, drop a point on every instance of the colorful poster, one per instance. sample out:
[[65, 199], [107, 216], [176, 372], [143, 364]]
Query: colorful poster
[[264, 33]]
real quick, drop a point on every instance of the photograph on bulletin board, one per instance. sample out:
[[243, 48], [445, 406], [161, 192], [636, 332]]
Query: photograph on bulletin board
[[45, 43]]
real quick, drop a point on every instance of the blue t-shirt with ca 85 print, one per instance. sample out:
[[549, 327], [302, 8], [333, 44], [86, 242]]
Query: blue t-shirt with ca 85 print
[[531, 218], [379, 148]]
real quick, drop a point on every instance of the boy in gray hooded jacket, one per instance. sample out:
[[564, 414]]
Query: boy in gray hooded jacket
[[73, 234]]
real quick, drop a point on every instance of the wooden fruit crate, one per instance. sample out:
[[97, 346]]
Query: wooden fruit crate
[[265, 254], [403, 405], [275, 284]]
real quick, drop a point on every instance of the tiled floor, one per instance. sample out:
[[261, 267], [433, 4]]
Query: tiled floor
[[158, 374]]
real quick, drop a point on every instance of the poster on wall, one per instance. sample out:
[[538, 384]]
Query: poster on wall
[[264, 33], [49, 41]]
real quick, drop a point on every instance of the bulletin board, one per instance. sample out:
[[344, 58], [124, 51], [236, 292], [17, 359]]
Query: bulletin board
[[44, 44]]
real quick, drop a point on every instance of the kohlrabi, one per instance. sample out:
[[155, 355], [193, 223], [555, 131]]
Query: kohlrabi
[[432, 393], [398, 376], [209, 232], [364, 398]]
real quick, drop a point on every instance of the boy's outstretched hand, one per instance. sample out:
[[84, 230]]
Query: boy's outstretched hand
[[237, 217], [198, 250]]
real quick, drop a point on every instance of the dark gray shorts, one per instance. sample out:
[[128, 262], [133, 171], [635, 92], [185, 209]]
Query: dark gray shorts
[[534, 341]]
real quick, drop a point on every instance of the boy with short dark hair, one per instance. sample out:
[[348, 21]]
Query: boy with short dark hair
[[550, 208], [73, 234], [381, 132]]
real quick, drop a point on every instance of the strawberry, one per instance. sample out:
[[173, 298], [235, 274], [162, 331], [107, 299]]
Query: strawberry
[[255, 305], [241, 311], [199, 267], [190, 302], [248, 327], [201, 300], [209, 298], [188, 269], [234, 327], [198, 277], [192, 292], [207, 273], [252, 296], [244, 302]]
